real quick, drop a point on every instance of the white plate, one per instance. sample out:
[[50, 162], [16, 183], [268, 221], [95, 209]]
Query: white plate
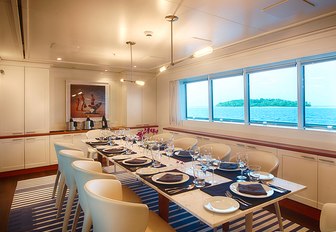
[[147, 171], [234, 186], [116, 152], [185, 178], [101, 147], [266, 176], [147, 162], [220, 204], [123, 157]]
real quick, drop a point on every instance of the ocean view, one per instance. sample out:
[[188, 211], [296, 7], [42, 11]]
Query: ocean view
[[314, 115]]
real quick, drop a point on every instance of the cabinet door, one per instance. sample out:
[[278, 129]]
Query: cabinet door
[[36, 151], [326, 180], [57, 138], [12, 154], [36, 100], [12, 100], [302, 169]]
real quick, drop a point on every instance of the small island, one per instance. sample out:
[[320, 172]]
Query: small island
[[261, 102]]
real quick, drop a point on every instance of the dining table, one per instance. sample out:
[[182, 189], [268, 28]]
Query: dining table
[[208, 203]]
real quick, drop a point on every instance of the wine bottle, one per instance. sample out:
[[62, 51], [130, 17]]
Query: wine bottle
[[104, 122]]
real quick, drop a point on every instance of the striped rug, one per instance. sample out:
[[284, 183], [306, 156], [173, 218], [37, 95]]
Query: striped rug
[[33, 210]]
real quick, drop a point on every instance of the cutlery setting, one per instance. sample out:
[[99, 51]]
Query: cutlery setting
[[174, 190], [240, 200]]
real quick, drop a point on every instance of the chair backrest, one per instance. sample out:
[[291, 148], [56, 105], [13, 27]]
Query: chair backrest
[[63, 146], [92, 134], [185, 143], [66, 157], [165, 137], [85, 170], [109, 213], [328, 217], [267, 161], [219, 150]]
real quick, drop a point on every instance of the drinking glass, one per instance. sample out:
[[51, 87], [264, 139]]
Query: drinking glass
[[242, 160], [156, 155], [199, 176], [169, 151], [254, 172]]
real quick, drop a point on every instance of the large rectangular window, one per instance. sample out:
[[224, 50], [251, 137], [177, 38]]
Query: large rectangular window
[[320, 94], [197, 100], [273, 97], [228, 99]]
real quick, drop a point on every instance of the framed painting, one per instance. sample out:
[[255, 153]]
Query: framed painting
[[86, 100]]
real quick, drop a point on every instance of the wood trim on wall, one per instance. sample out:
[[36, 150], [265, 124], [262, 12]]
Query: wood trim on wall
[[296, 148]]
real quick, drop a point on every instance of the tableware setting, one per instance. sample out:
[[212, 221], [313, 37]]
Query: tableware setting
[[265, 176], [124, 156], [251, 189], [170, 178], [228, 166], [115, 150], [140, 161], [220, 204]]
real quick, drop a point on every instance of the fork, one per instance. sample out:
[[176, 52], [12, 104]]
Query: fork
[[241, 201], [176, 190]]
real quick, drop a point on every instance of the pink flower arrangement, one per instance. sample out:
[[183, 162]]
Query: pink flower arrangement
[[147, 130]]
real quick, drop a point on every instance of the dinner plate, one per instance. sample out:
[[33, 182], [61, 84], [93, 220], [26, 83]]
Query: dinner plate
[[147, 171], [117, 150], [147, 162], [219, 204], [234, 188], [124, 156], [265, 176], [185, 178], [229, 169]]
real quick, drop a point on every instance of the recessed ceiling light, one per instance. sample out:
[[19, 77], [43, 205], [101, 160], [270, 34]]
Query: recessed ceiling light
[[106, 70], [59, 58]]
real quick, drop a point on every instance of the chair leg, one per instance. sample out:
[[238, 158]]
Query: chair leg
[[55, 185], [278, 213], [60, 205], [61, 185], [87, 222], [75, 220], [71, 198]]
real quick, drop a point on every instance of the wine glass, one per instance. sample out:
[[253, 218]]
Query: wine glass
[[169, 151], [242, 160]]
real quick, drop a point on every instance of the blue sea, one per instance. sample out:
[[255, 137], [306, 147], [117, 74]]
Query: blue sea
[[314, 115]]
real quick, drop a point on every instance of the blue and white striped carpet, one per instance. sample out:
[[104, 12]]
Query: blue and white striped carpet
[[33, 210]]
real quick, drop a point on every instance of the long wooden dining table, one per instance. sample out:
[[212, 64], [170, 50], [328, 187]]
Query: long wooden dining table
[[193, 200]]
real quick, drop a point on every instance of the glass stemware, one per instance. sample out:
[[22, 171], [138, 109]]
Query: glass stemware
[[169, 151], [242, 161]]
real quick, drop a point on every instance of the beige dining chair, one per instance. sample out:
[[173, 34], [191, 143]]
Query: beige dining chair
[[164, 137], [268, 162], [110, 213], [66, 157], [59, 180], [328, 217], [219, 150], [84, 171], [185, 143], [93, 134]]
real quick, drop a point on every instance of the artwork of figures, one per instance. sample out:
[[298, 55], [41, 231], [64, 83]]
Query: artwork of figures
[[87, 100]]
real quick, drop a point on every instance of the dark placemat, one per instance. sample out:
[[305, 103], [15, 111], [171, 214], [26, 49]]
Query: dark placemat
[[185, 156], [114, 154], [165, 187], [134, 168], [219, 190], [232, 175]]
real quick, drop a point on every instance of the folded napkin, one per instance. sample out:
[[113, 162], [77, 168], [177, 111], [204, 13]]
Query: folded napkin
[[114, 150], [170, 177], [228, 165], [98, 142], [136, 161], [252, 189]]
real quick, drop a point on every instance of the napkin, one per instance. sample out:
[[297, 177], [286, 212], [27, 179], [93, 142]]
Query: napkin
[[170, 177], [252, 189], [136, 161], [227, 165]]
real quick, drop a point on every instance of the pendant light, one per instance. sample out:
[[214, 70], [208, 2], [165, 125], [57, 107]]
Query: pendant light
[[141, 83]]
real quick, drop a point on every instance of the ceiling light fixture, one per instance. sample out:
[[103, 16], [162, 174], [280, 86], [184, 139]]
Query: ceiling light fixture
[[203, 52], [141, 83], [199, 53]]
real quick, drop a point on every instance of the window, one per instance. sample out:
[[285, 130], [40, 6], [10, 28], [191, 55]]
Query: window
[[197, 100], [273, 96], [320, 94], [228, 99]]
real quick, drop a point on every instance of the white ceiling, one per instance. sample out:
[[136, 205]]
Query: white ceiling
[[93, 34]]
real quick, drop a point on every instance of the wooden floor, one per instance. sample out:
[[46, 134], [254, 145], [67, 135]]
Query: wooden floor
[[295, 212]]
